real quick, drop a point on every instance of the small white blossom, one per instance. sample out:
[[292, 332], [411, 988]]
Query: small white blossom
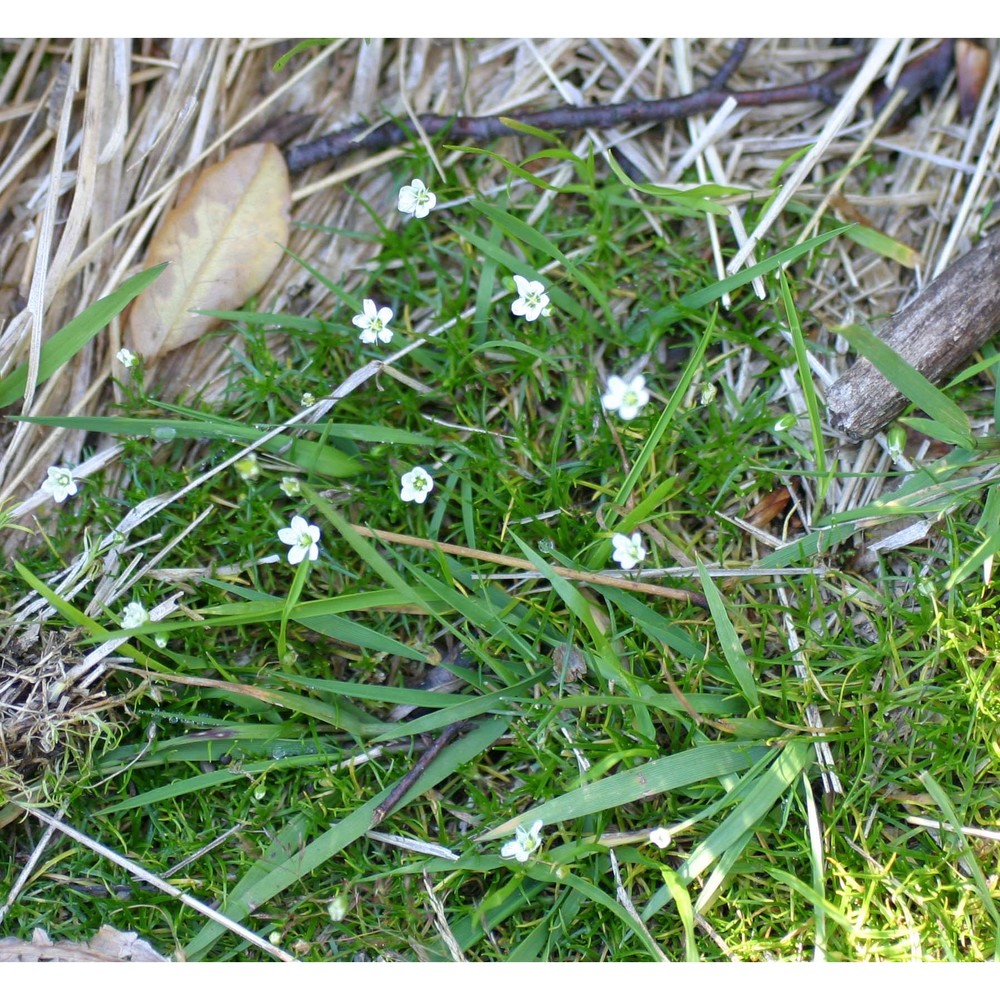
[[415, 199], [708, 393], [628, 398], [337, 907], [126, 357], [374, 323], [248, 468], [660, 837], [524, 844], [134, 615], [290, 486], [307, 400], [302, 537], [415, 485], [628, 552], [531, 301], [60, 483]]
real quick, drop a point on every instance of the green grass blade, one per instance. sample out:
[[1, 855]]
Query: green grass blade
[[313, 456], [665, 419], [682, 900], [983, 890], [808, 389], [676, 771], [63, 344], [732, 648], [765, 791], [283, 867], [914, 386]]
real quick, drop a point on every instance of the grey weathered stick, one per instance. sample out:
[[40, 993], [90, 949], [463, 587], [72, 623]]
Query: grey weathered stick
[[936, 333]]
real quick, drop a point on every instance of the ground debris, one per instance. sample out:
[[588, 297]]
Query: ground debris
[[108, 945]]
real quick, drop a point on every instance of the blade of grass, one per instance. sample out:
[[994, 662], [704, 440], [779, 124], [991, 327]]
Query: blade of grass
[[983, 891], [63, 344], [914, 386], [665, 419], [688, 767], [808, 390], [765, 791], [281, 868], [682, 900], [732, 648], [694, 302], [313, 456]]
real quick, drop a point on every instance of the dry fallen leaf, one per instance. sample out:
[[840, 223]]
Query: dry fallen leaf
[[972, 66], [223, 241]]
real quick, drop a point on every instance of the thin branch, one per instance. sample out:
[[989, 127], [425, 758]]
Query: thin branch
[[570, 119], [410, 778], [598, 579], [726, 70]]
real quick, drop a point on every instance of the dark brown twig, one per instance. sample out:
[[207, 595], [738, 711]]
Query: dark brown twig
[[408, 780], [726, 70], [927, 71], [568, 119]]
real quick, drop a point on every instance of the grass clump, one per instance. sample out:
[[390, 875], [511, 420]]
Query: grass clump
[[727, 777]]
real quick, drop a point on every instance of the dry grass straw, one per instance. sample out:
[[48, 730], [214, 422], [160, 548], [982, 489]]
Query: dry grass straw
[[99, 137]]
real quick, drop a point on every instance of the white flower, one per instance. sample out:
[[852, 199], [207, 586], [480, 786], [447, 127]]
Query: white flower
[[532, 301], [290, 486], [374, 323], [307, 400], [524, 844], [134, 615], [302, 537], [416, 484], [248, 468], [126, 357], [60, 483], [660, 837], [628, 552], [415, 199], [628, 398]]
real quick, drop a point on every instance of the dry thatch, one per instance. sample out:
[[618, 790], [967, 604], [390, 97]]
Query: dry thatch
[[98, 138]]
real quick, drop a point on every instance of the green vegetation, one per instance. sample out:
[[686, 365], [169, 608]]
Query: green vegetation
[[603, 713]]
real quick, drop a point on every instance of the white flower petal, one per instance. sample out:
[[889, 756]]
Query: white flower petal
[[627, 398], [302, 538], [523, 285], [134, 615], [60, 483], [628, 552], [415, 485], [660, 837]]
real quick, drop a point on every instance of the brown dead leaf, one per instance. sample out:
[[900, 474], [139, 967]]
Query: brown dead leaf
[[972, 66], [223, 241], [773, 505]]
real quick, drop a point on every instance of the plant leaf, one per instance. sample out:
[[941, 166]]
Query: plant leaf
[[224, 240], [61, 346]]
